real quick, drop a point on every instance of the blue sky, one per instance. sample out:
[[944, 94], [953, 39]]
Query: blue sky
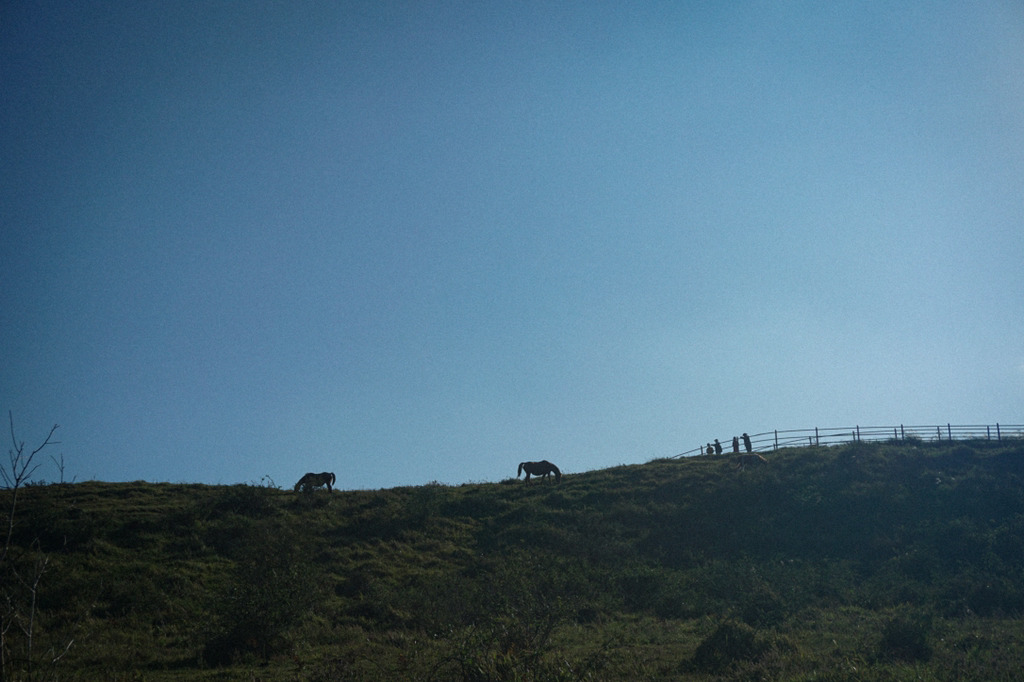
[[417, 241]]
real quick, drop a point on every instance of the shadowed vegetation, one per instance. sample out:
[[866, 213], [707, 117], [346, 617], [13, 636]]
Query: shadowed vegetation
[[863, 561]]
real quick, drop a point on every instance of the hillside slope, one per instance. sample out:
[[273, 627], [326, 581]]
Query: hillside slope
[[879, 559]]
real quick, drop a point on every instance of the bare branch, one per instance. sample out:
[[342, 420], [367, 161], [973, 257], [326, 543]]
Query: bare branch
[[20, 586], [45, 442], [21, 468], [59, 464]]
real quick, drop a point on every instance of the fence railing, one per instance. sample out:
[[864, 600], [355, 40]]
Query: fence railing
[[773, 440]]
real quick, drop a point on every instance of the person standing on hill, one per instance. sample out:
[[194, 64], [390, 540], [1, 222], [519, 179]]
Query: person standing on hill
[[746, 442], [736, 444], [718, 447]]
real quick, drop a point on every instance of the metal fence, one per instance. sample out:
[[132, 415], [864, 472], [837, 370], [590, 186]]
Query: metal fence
[[773, 440]]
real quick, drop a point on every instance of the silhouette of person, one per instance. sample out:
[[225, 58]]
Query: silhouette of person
[[746, 443], [711, 449], [736, 444], [718, 447]]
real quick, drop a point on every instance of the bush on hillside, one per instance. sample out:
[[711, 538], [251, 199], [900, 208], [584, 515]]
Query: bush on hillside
[[252, 501], [730, 643], [274, 583], [905, 638]]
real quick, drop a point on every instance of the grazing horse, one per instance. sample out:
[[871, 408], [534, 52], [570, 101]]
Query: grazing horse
[[311, 480], [751, 458], [542, 468]]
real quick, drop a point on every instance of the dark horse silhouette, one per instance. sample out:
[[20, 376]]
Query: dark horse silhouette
[[750, 458], [542, 468], [311, 480]]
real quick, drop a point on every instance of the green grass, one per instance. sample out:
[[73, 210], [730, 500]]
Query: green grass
[[865, 561]]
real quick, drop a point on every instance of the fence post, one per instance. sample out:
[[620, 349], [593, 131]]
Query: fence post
[[817, 441], [903, 433], [858, 433], [949, 431], [938, 432], [988, 432], [895, 435], [776, 440], [999, 436]]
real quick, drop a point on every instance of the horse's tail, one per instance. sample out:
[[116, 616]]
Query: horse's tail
[[333, 479], [520, 472], [558, 474]]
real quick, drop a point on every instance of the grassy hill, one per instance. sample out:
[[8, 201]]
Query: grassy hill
[[862, 561]]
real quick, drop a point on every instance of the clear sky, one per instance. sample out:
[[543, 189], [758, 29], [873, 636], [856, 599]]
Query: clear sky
[[424, 241]]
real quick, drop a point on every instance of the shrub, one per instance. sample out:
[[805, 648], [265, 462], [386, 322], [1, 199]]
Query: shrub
[[905, 638], [731, 642], [762, 606], [996, 596], [252, 501], [273, 584]]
